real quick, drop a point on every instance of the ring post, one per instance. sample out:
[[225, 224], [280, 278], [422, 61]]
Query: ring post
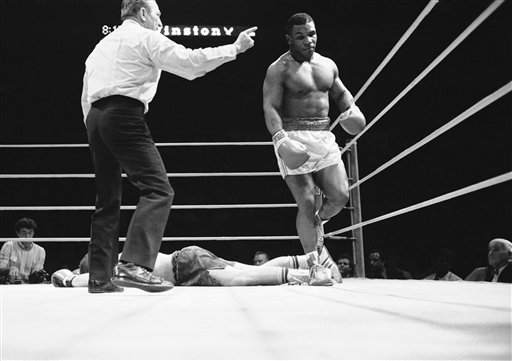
[[356, 214]]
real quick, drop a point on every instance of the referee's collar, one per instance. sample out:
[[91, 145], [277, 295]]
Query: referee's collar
[[130, 21]]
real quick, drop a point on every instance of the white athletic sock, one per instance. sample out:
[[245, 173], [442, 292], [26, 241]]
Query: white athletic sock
[[304, 261], [319, 228]]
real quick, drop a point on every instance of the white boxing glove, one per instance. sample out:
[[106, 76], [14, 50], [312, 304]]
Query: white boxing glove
[[293, 153], [352, 120]]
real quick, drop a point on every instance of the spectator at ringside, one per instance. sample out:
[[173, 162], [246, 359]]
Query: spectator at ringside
[[441, 267], [376, 267], [345, 265], [260, 258], [392, 269], [23, 261], [499, 258]]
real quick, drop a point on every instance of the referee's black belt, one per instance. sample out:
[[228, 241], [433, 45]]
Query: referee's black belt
[[118, 100]]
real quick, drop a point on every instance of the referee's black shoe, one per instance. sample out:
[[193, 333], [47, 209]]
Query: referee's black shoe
[[132, 275]]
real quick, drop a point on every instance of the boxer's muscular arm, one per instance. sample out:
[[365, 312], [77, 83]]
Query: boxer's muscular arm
[[273, 98], [340, 95], [293, 153], [352, 120]]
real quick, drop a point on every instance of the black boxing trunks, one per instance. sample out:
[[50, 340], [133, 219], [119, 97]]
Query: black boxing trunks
[[190, 266]]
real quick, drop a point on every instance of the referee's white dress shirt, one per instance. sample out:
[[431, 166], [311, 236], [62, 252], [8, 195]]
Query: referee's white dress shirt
[[129, 62]]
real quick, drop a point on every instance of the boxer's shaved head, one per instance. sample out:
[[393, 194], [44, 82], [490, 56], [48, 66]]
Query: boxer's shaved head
[[297, 19]]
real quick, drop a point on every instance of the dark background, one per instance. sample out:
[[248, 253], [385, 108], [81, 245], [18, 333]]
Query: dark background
[[45, 43]]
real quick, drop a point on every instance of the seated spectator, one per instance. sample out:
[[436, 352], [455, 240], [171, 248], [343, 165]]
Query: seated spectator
[[499, 258], [345, 265], [260, 258], [376, 267], [392, 269], [441, 267], [23, 261]]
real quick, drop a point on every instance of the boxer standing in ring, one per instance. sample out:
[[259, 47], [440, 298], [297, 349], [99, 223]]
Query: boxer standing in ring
[[296, 95]]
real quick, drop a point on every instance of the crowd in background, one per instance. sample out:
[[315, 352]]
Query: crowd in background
[[22, 262], [498, 269]]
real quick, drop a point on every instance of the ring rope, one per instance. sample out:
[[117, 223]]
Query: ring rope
[[490, 182], [395, 49], [210, 238], [487, 12], [191, 206], [468, 113], [174, 175], [193, 144]]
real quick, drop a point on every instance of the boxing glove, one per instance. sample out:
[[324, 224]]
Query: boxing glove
[[352, 120], [293, 153], [62, 278]]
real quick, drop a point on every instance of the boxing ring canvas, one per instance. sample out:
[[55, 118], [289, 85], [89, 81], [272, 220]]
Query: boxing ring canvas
[[359, 319]]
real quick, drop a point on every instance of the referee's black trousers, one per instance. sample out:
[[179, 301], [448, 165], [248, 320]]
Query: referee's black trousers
[[120, 139]]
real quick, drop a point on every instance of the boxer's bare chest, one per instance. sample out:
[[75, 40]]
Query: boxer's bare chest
[[307, 77]]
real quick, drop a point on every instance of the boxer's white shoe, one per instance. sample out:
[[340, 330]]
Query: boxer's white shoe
[[62, 278], [298, 280], [326, 260], [319, 276], [297, 276]]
